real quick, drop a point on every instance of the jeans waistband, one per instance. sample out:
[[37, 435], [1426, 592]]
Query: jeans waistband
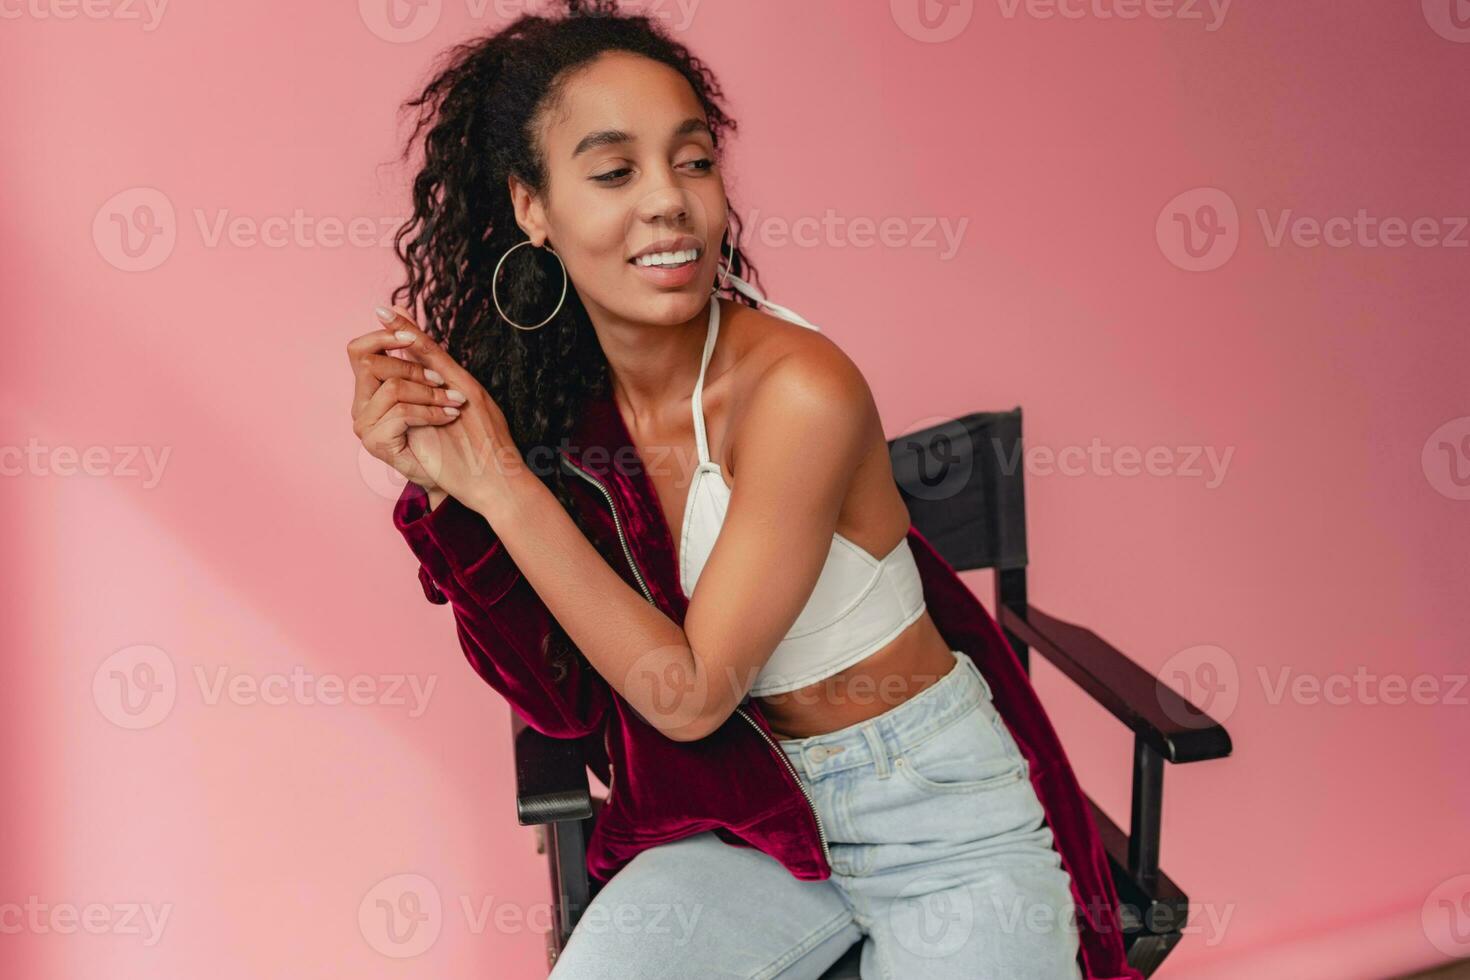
[[875, 741]]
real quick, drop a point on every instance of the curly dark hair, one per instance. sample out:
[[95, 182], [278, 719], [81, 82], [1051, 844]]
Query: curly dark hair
[[475, 118]]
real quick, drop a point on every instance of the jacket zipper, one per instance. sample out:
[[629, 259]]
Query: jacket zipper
[[781, 753], [617, 524], [642, 585], [612, 772]]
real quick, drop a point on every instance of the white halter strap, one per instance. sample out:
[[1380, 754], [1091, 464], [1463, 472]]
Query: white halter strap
[[712, 332]]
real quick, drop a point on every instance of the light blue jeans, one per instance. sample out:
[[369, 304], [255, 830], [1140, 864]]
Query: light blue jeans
[[942, 865]]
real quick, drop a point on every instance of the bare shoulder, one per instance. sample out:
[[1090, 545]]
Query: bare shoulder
[[802, 377]]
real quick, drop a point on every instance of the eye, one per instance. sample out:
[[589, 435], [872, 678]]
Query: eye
[[703, 165]]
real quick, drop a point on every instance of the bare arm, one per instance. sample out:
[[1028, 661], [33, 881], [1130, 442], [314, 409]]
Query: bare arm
[[642, 653], [809, 422]]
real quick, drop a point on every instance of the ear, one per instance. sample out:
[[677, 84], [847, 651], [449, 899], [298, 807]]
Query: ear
[[530, 215]]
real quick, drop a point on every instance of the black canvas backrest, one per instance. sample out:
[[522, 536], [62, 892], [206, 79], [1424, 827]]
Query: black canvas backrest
[[963, 481]]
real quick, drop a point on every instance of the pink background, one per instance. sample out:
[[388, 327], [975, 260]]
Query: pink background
[[1336, 541]]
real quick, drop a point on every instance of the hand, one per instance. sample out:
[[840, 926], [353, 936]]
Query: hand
[[467, 456], [391, 397]]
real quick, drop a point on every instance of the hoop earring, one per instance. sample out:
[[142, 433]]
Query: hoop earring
[[720, 284], [496, 278]]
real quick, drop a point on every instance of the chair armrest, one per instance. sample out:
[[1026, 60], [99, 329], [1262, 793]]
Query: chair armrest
[[551, 776], [1175, 728]]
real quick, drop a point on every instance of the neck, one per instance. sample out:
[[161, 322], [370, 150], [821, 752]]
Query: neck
[[652, 365]]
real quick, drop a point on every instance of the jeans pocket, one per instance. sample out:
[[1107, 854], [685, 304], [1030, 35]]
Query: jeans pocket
[[970, 755]]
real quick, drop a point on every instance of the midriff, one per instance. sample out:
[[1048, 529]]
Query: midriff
[[915, 659]]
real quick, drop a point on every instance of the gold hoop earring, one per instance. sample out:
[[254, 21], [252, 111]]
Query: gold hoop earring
[[496, 278]]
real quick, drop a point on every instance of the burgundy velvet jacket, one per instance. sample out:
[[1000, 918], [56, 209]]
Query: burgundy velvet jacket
[[736, 782]]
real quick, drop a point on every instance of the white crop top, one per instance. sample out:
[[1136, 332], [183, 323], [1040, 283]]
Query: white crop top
[[859, 603]]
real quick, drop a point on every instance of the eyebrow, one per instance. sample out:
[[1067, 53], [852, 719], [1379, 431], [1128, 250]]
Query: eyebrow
[[607, 137]]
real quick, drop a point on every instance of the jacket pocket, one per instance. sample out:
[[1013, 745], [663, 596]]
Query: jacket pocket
[[491, 575], [502, 624]]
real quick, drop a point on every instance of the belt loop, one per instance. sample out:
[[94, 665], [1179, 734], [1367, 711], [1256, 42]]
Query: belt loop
[[878, 750], [797, 758], [979, 675]]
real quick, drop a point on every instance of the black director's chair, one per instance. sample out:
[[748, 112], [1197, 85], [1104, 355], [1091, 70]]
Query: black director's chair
[[962, 481]]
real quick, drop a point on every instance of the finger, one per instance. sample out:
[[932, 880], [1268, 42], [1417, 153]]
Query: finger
[[421, 414], [402, 391], [427, 352], [393, 317], [387, 440], [402, 415], [397, 321], [372, 370], [374, 342]]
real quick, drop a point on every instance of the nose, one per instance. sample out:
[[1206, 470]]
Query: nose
[[667, 205], [666, 201]]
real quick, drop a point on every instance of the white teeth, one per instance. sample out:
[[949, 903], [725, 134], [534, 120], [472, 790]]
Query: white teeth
[[668, 258]]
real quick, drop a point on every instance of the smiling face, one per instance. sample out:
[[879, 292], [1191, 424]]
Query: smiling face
[[630, 167]]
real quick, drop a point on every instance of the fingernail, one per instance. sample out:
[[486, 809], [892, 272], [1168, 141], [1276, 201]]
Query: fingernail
[[403, 335], [454, 396], [450, 411], [384, 314], [434, 376]]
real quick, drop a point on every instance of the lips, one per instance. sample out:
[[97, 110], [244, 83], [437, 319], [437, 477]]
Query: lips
[[680, 243], [669, 277]]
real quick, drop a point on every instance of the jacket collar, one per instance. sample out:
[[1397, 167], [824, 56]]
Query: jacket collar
[[601, 446], [597, 433]]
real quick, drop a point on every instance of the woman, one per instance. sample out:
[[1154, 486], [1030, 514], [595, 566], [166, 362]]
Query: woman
[[595, 142]]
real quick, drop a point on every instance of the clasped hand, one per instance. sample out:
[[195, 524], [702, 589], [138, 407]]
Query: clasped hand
[[426, 416]]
